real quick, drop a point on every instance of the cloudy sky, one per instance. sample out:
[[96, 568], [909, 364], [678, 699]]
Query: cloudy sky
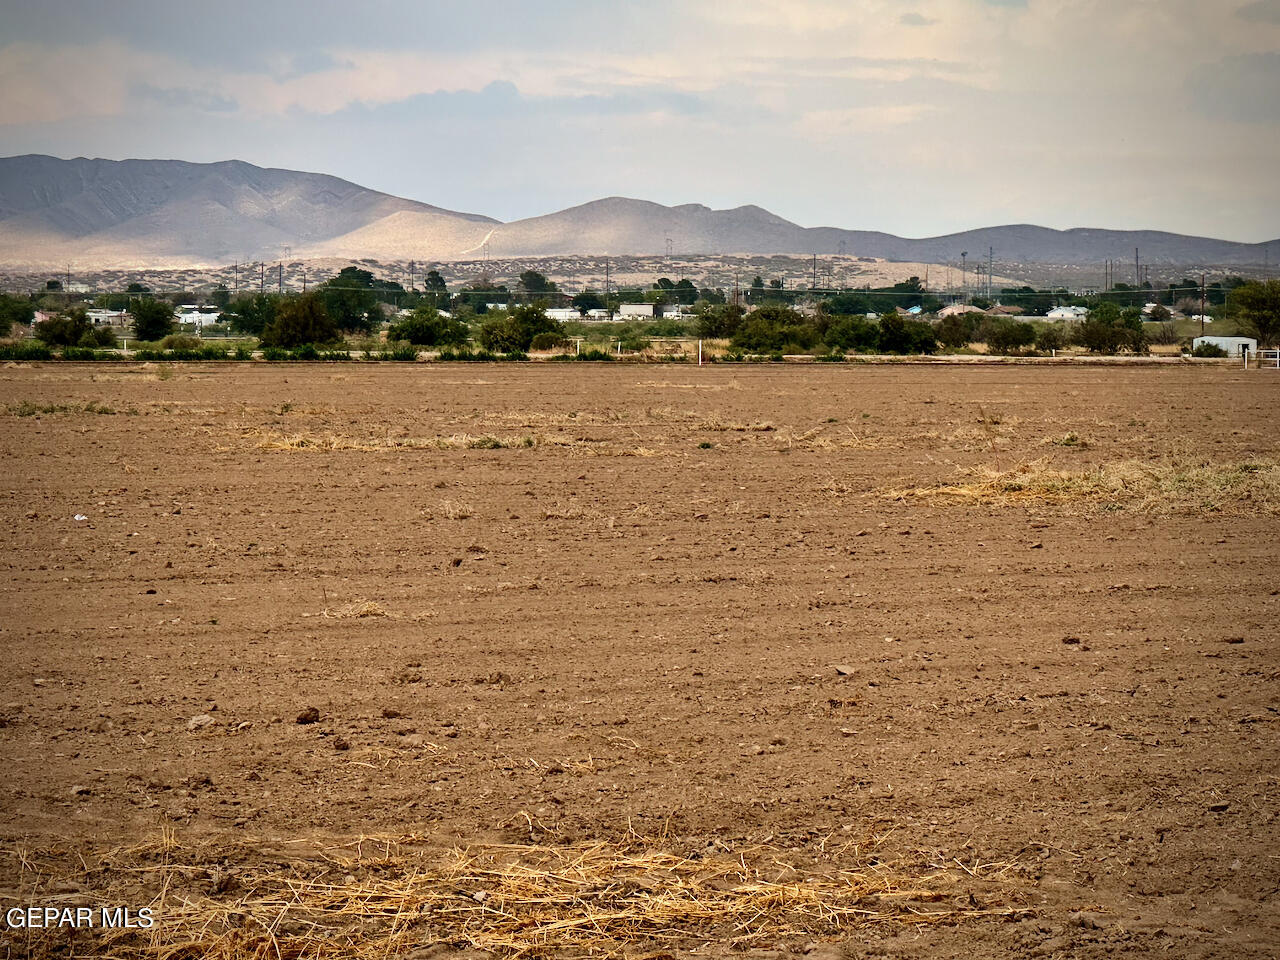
[[917, 117]]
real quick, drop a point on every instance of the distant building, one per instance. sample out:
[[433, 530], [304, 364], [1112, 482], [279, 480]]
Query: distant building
[[197, 316], [1235, 346], [108, 318], [955, 309], [1067, 313], [562, 314], [638, 310]]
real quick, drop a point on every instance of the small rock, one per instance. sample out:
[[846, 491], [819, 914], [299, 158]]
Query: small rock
[[846, 732], [1220, 807], [340, 743], [844, 670], [1086, 921], [80, 790], [1071, 641], [414, 740], [309, 715], [103, 725], [1036, 546], [391, 713], [200, 720], [882, 793]]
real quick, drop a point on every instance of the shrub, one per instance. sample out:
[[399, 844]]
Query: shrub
[[1006, 336], [79, 353], [427, 328], [548, 341], [180, 341], [774, 328], [274, 354], [1208, 350], [242, 352], [300, 320], [852, 333], [1049, 338], [25, 350], [515, 330]]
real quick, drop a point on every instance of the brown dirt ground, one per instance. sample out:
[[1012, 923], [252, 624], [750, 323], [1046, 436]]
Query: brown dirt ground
[[620, 631]]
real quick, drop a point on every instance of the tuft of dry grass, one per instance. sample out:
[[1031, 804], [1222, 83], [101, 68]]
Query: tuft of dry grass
[[383, 896], [356, 609], [1176, 486]]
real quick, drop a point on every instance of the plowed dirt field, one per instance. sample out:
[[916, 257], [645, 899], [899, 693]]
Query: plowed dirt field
[[859, 660]]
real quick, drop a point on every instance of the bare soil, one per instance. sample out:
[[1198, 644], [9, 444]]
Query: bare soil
[[671, 605]]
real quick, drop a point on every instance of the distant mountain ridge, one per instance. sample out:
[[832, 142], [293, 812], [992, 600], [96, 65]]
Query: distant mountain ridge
[[120, 213]]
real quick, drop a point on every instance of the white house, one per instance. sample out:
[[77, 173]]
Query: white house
[[1067, 313], [562, 314], [1235, 346], [198, 317], [112, 318], [637, 310]]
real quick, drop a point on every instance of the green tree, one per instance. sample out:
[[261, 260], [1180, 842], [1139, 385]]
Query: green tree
[[152, 319], [298, 321], [425, 327], [534, 284], [514, 330], [351, 299], [252, 313], [719, 320], [1050, 337], [1006, 336], [773, 328], [852, 333], [66, 329], [435, 290], [588, 300], [220, 296], [957, 330], [14, 310], [1259, 305]]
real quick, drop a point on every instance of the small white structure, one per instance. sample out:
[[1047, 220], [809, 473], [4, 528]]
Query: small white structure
[[637, 310], [562, 314], [1235, 346], [198, 317], [1067, 313], [107, 318]]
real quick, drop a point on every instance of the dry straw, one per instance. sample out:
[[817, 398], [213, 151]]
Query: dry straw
[[381, 897], [1178, 486]]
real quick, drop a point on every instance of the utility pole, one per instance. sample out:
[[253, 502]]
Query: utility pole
[[262, 277], [1202, 304], [280, 279], [991, 254], [236, 284], [964, 274], [1137, 276], [815, 271]]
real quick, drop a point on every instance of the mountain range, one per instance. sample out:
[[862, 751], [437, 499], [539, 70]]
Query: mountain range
[[171, 213]]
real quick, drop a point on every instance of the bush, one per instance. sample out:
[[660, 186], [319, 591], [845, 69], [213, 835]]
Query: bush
[[594, 354], [180, 341], [906, 336], [956, 331], [774, 328], [79, 353], [852, 333], [25, 350], [548, 341], [275, 354], [515, 330], [242, 352], [427, 328], [1209, 350], [1006, 336], [300, 320], [67, 329], [152, 319], [1050, 338]]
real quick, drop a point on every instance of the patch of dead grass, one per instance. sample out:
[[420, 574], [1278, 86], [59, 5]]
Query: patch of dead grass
[[1175, 486], [382, 896]]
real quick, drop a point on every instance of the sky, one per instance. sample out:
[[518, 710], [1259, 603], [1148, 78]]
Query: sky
[[916, 117]]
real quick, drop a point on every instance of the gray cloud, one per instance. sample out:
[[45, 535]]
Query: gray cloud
[[180, 98], [1240, 88], [1267, 11]]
